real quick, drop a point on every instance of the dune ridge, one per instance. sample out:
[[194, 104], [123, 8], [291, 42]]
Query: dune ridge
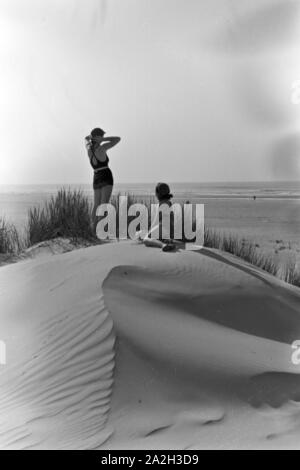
[[122, 346], [56, 386]]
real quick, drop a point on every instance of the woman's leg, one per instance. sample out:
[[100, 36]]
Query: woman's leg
[[153, 242], [97, 202]]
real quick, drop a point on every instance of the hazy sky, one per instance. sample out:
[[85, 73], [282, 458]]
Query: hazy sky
[[198, 90]]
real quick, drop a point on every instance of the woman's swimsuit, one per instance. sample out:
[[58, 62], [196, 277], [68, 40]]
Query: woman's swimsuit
[[102, 173]]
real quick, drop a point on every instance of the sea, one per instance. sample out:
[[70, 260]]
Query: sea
[[267, 213]]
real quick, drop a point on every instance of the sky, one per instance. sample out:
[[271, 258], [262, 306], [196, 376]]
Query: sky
[[198, 90]]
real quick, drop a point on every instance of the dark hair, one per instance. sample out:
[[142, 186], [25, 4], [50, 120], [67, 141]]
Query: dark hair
[[163, 191], [97, 132]]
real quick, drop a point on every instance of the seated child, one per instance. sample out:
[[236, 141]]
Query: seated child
[[158, 235]]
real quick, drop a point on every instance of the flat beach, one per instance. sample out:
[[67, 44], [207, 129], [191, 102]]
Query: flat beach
[[119, 346], [110, 339]]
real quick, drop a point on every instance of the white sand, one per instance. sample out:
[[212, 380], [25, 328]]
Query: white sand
[[177, 350]]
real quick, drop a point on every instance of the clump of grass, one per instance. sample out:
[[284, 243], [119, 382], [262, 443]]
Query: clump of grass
[[10, 241], [287, 271], [66, 214]]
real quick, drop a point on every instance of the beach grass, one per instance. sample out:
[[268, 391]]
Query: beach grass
[[68, 214], [245, 249]]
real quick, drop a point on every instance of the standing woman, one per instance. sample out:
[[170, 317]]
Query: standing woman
[[103, 181]]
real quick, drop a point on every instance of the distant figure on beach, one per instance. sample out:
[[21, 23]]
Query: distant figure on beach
[[254, 197], [162, 239], [97, 145]]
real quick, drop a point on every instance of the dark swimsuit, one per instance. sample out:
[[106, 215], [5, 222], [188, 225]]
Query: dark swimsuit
[[101, 177]]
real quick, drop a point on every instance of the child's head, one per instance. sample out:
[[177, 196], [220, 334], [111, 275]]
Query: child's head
[[97, 132], [162, 192]]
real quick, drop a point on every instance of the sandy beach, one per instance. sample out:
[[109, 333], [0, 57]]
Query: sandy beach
[[149, 227], [119, 346]]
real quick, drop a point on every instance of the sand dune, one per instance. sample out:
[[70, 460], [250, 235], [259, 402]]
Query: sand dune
[[122, 346]]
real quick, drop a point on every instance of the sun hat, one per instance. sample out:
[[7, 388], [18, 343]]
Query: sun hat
[[163, 191]]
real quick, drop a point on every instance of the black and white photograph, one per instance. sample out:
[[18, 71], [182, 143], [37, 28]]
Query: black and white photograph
[[149, 227]]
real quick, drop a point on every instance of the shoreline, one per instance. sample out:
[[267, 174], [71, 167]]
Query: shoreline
[[64, 244]]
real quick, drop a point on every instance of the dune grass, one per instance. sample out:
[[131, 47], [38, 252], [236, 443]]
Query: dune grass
[[67, 214], [10, 240], [237, 246], [247, 250]]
